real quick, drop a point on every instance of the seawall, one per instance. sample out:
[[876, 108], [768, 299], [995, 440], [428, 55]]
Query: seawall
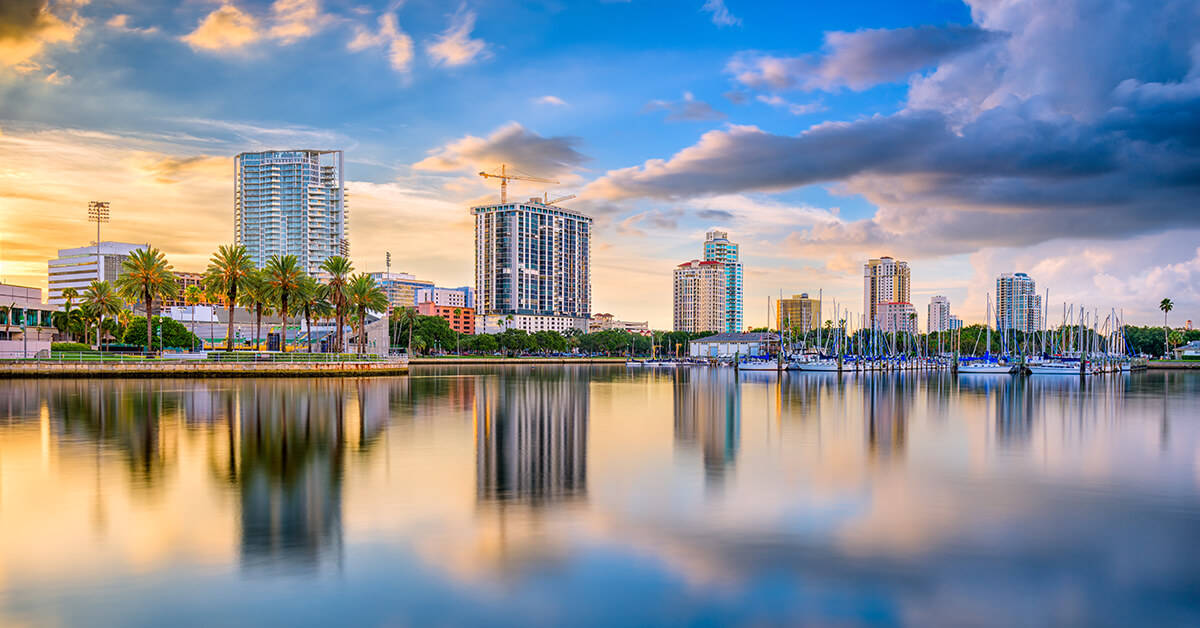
[[199, 368]]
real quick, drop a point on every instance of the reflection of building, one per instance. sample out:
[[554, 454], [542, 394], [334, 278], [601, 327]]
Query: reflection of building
[[1018, 305], [533, 261], [799, 313], [291, 202], [700, 296], [531, 438], [718, 248], [885, 280], [885, 402], [708, 414], [78, 268]]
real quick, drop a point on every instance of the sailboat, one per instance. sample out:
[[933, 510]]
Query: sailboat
[[986, 366]]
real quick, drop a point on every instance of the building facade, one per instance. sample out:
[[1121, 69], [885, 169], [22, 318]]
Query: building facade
[[938, 317], [78, 268], [606, 322], [799, 313], [461, 319], [728, 345], [402, 289], [896, 317], [718, 248], [533, 260], [291, 202], [453, 297], [1018, 305], [25, 315], [885, 280], [700, 296], [500, 323]]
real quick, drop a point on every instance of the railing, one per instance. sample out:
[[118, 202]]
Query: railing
[[222, 357]]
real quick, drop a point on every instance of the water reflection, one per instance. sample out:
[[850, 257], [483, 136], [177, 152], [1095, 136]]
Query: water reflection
[[708, 416]]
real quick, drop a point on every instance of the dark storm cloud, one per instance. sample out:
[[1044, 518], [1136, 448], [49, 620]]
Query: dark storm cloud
[[20, 19]]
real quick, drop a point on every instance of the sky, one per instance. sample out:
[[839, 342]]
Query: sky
[[1060, 138]]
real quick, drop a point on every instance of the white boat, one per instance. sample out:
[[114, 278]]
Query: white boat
[[634, 363], [758, 365], [820, 365], [1054, 368], [985, 368]]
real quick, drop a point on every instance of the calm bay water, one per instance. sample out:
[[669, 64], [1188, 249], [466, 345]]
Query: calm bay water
[[597, 495]]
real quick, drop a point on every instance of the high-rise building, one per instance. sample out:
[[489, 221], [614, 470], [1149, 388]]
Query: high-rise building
[[291, 202], [938, 318], [896, 317], [1018, 305], [401, 289], [799, 313], [78, 268], [532, 262], [718, 248], [885, 280], [700, 296]]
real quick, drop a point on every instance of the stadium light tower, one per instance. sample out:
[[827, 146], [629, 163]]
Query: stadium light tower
[[98, 213]]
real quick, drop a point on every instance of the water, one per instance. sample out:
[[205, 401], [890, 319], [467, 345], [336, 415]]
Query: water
[[600, 496]]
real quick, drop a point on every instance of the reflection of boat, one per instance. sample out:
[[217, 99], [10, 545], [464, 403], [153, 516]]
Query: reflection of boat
[[985, 368]]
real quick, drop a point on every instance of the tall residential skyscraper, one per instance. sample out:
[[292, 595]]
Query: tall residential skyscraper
[[701, 296], [799, 313], [885, 280], [1018, 305], [939, 315], [533, 262], [78, 268], [718, 248], [291, 202]]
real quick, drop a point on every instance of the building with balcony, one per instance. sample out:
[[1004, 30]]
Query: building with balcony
[[885, 280], [533, 264], [800, 314], [291, 202], [700, 296], [1018, 305], [938, 316], [77, 268], [718, 248], [896, 317]]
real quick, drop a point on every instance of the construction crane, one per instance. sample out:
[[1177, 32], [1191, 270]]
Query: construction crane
[[546, 200], [505, 177]]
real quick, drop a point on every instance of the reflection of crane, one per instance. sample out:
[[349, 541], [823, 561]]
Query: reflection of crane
[[546, 200], [504, 178]]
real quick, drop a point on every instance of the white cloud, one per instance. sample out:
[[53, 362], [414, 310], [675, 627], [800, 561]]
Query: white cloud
[[230, 29], [550, 100], [511, 144], [398, 44], [720, 13], [454, 47], [120, 22]]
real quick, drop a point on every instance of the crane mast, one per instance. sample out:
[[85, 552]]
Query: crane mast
[[505, 177]]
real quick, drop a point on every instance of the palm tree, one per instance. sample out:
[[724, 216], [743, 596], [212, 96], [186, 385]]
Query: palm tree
[[407, 317], [69, 295], [102, 301], [192, 296], [255, 295], [7, 310], [363, 294], [339, 270], [229, 270], [147, 276], [1166, 305], [283, 274], [310, 299]]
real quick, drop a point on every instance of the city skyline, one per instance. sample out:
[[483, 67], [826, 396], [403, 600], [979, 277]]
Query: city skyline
[[980, 161]]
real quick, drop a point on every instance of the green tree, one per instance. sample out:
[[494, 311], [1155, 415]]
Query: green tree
[[101, 300], [283, 274], [229, 270], [255, 295], [363, 294], [147, 277], [192, 296], [1166, 305], [407, 317], [69, 295], [339, 270], [310, 298], [174, 333]]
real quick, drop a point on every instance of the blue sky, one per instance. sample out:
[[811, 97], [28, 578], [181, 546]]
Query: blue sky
[[1059, 138]]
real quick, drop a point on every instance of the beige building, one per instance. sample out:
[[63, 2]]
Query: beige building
[[885, 280], [896, 317], [799, 313], [26, 323], [700, 296], [605, 322]]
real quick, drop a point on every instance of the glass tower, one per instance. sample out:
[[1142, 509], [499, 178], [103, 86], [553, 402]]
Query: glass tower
[[291, 202], [718, 248]]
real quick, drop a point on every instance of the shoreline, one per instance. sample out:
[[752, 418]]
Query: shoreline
[[198, 369]]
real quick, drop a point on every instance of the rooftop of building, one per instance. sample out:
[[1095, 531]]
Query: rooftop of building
[[106, 248], [532, 203], [697, 262], [739, 337]]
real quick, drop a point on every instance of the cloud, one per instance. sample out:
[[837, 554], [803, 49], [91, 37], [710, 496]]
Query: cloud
[[550, 100], [399, 45], [230, 29], [454, 47], [226, 28], [511, 144], [28, 27], [861, 59], [720, 14], [120, 22], [687, 110], [796, 109]]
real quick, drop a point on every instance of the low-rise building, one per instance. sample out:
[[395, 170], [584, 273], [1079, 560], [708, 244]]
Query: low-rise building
[[896, 317], [461, 319], [462, 296], [1189, 351], [729, 345], [26, 323], [605, 322], [77, 268], [183, 281], [401, 288], [499, 323]]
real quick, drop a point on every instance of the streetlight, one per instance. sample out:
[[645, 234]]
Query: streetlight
[[98, 213]]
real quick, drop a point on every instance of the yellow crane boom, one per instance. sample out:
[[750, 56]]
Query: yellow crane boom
[[504, 177]]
